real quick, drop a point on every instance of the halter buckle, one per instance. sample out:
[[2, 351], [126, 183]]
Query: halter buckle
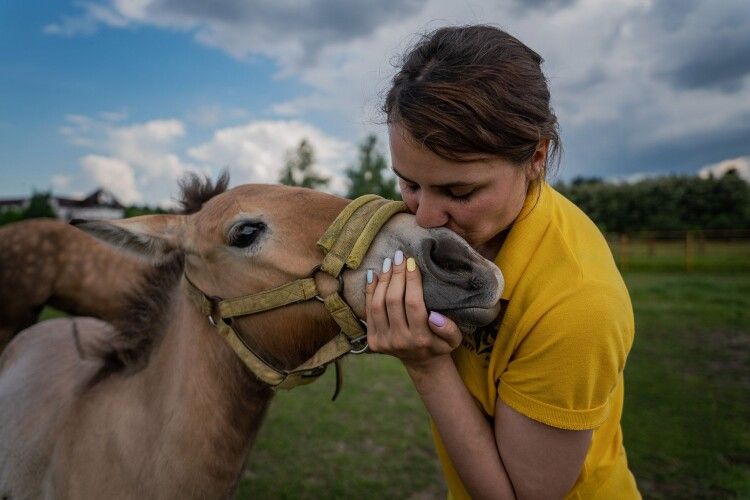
[[359, 345]]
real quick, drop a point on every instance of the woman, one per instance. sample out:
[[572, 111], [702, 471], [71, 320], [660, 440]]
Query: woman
[[532, 407]]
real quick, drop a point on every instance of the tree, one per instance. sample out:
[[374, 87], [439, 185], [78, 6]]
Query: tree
[[368, 175], [39, 206], [298, 170]]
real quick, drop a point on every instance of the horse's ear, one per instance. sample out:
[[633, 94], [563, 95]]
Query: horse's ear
[[153, 237]]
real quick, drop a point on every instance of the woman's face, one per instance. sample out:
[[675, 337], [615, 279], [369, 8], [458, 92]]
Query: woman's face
[[476, 199]]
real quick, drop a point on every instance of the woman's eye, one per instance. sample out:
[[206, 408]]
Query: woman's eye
[[245, 234], [464, 197]]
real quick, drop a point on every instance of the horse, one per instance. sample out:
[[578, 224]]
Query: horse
[[162, 406], [49, 262]]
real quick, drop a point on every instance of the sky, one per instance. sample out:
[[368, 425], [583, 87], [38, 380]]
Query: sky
[[130, 94]]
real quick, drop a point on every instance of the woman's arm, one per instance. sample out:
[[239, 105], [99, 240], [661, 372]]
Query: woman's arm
[[512, 456]]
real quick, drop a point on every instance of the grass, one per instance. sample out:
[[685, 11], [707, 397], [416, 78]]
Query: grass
[[688, 385], [677, 255], [685, 420]]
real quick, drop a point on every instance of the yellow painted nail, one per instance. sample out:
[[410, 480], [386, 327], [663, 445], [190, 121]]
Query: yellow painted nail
[[410, 264]]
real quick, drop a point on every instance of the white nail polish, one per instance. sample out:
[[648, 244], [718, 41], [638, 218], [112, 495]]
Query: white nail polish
[[369, 276], [398, 259], [387, 264]]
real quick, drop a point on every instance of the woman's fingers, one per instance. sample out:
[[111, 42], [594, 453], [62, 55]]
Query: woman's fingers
[[416, 313], [394, 296], [378, 309]]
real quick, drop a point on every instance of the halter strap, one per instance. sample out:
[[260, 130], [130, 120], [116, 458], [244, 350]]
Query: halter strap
[[344, 244]]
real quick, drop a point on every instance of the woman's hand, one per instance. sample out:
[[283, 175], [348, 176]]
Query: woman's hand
[[397, 320]]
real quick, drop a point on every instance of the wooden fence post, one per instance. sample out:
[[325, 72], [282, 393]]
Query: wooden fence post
[[689, 250], [624, 251]]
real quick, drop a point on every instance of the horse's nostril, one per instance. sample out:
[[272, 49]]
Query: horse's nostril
[[449, 255]]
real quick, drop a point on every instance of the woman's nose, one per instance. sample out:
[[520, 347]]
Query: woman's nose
[[430, 214]]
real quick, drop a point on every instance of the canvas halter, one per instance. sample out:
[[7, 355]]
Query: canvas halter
[[344, 244]]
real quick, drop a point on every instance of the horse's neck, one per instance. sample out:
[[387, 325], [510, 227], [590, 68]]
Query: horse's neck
[[209, 407]]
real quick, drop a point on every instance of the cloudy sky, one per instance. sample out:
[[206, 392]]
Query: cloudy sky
[[128, 94]]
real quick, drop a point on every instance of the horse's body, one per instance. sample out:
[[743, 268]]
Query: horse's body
[[163, 408], [48, 262]]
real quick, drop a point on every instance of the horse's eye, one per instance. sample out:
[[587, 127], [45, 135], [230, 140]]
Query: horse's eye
[[245, 234]]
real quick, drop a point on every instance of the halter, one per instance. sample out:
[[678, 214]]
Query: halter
[[344, 244]]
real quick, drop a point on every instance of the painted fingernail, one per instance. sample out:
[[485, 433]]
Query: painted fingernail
[[387, 264], [411, 264], [398, 258], [369, 276], [436, 318]]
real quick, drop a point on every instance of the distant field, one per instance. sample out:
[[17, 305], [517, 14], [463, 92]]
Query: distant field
[[685, 420], [681, 255]]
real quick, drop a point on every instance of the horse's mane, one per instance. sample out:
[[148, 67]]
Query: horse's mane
[[196, 190], [141, 327]]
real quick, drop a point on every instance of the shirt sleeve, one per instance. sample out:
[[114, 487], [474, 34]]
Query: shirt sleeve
[[569, 359]]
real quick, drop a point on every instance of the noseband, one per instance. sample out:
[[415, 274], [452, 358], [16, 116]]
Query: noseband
[[344, 245]]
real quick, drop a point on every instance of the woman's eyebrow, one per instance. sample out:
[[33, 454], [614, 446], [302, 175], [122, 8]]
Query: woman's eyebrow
[[447, 185]]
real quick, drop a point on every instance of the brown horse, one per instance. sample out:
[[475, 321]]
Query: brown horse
[[162, 407], [46, 261]]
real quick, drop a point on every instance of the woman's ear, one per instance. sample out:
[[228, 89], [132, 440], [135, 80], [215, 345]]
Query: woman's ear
[[538, 164]]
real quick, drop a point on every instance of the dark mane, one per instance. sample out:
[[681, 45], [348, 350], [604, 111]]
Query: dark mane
[[196, 190], [142, 327]]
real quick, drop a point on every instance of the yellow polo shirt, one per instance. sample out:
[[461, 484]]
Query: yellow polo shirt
[[557, 351]]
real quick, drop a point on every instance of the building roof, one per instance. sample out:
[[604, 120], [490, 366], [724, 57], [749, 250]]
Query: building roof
[[99, 198]]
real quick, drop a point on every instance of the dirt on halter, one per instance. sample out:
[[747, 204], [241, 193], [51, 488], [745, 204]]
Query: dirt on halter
[[162, 407]]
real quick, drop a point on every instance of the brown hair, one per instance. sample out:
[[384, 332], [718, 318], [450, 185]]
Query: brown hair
[[471, 90]]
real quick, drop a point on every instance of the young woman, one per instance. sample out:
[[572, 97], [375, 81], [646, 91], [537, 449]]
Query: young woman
[[531, 407]]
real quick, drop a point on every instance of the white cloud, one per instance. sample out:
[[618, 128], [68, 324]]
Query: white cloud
[[741, 165], [255, 152], [214, 114], [144, 153], [142, 161], [631, 80], [60, 181], [113, 174]]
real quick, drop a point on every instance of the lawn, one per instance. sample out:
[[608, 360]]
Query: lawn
[[685, 423], [685, 419]]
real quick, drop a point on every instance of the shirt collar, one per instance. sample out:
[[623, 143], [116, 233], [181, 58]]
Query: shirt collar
[[524, 236]]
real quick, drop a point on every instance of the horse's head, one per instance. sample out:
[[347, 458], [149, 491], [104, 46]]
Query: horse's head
[[257, 237]]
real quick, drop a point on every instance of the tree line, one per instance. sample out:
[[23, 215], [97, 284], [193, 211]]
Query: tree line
[[663, 203]]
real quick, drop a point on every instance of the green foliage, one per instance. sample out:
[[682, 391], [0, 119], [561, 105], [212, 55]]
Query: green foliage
[[664, 203], [298, 170], [368, 175], [136, 210], [10, 215], [39, 206]]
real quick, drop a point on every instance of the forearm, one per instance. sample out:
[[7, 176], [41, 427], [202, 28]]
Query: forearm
[[467, 434]]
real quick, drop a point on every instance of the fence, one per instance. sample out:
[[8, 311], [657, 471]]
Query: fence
[[727, 251]]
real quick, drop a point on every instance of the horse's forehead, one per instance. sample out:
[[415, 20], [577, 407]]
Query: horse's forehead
[[279, 200]]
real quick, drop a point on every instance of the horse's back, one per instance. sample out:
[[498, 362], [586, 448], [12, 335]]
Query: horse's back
[[42, 372]]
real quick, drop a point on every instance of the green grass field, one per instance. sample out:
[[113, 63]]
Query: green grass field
[[685, 422]]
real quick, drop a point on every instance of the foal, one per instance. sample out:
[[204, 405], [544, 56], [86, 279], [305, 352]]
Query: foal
[[162, 407]]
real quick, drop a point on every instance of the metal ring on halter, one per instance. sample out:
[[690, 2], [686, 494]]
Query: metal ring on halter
[[340, 290], [361, 349]]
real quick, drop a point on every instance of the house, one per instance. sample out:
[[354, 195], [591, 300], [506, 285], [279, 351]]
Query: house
[[101, 204]]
